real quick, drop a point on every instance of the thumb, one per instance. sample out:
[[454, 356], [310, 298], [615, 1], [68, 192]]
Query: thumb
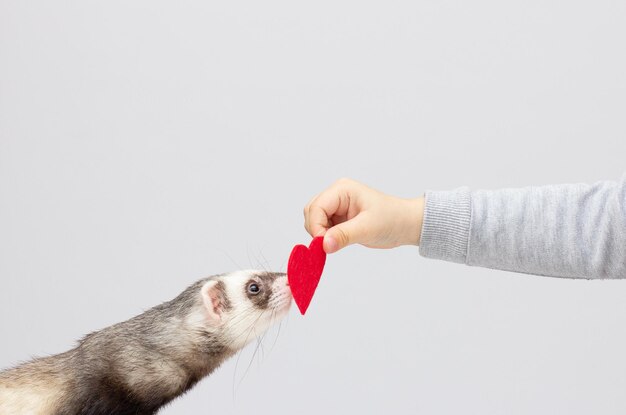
[[347, 233]]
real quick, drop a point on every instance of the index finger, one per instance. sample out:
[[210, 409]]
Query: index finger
[[328, 204]]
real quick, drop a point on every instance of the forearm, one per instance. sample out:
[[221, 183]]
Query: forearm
[[574, 231]]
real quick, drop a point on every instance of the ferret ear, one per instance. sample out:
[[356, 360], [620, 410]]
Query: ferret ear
[[214, 301]]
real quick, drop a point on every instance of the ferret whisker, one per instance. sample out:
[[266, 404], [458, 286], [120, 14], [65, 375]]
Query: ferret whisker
[[248, 255], [276, 337], [239, 354], [282, 266], [265, 260], [230, 258], [273, 309], [237, 362], [260, 342], [258, 263], [262, 347], [256, 349]]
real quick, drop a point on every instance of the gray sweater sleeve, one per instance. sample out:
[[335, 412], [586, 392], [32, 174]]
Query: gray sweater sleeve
[[572, 230]]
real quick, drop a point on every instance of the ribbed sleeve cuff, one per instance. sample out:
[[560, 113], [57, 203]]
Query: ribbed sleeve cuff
[[446, 225]]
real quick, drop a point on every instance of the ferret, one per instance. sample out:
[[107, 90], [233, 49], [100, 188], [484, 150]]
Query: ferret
[[139, 365]]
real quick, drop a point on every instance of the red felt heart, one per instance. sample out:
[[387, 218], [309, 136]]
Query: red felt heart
[[304, 271]]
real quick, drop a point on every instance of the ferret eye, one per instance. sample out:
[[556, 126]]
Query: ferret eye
[[254, 288]]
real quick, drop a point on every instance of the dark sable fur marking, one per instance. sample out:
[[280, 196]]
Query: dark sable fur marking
[[224, 298], [264, 280]]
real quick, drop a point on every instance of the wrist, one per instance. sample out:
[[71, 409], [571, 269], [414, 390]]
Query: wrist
[[415, 219]]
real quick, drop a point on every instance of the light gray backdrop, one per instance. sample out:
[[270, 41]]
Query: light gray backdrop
[[145, 144]]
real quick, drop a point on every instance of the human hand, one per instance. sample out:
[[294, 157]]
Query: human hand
[[349, 212]]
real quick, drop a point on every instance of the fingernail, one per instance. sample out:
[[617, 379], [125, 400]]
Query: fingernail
[[330, 244]]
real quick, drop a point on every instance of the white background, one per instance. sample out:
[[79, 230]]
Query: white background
[[146, 144]]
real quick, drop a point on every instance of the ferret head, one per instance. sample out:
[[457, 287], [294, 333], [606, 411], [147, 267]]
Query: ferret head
[[241, 305]]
